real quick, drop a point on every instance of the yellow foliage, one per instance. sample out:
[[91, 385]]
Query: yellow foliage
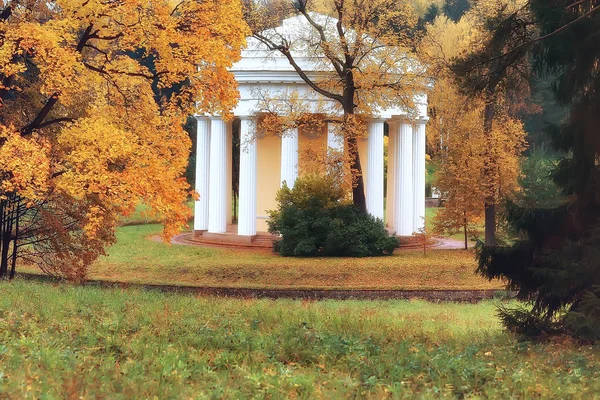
[[456, 134], [24, 164], [93, 96], [475, 166]]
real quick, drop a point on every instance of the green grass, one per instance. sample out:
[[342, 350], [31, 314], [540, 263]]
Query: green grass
[[76, 342], [135, 258]]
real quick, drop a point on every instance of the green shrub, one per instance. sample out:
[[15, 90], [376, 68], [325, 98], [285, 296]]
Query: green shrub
[[314, 220]]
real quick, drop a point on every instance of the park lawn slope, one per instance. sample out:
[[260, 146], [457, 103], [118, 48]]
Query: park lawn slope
[[61, 341], [137, 259]]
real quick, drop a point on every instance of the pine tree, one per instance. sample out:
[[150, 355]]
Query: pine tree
[[556, 266]]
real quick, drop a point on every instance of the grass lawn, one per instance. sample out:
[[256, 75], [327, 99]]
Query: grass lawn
[[134, 258], [60, 341]]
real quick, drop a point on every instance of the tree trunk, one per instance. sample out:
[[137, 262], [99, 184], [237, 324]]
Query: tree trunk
[[490, 224], [2, 226], [358, 187], [5, 239], [235, 217], [489, 170], [15, 238], [465, 230]]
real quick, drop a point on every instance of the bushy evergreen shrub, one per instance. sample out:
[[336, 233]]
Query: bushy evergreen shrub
[[314, 220]]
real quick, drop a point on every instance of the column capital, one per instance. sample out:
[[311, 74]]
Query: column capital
[[407, 120], [392, 122], [376, 119], [244, 117], [201, 117]]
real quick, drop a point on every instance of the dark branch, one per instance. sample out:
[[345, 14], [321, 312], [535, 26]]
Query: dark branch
[[55, 121], [286, 52], [39, 119], [113, 37], [544, 37], [114, 71], [6, 13], [84, 38], [336, 61]]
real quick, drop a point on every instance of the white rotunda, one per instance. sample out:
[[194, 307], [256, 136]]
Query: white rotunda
[[264, 163]]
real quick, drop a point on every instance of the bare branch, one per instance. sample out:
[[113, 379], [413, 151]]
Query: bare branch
[[287, 53], [336, 61]]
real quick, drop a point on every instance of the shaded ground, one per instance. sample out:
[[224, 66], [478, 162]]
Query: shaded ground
[[135, 259], [465, 296]]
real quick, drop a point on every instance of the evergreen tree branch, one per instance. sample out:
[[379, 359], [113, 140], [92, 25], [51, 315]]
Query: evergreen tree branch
[[544, 37]]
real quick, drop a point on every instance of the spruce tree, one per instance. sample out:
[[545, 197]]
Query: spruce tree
[[555, 267]]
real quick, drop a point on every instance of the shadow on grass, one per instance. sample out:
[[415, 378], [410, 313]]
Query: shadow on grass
[[461, 296]]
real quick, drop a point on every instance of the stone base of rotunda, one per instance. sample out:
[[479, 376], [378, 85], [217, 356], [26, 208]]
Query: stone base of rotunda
[[197, 234], [231, 238]]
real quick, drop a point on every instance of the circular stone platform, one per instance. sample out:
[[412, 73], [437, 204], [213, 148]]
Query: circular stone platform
[[264, 241]]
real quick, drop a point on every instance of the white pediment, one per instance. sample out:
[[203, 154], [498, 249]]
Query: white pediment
[[262, 70]]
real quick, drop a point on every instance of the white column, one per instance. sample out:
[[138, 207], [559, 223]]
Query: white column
[[374, 187], [202, 173], [391, 172], [229, 127], [403, 214], [217, 218], [335, 141], [418, 175], [247, 217], [289, 157]]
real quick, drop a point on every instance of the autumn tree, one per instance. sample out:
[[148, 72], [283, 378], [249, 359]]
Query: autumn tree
[[455, 128], [83, 135], [457, 122], [486, 70], [364, 51], [457, 137]]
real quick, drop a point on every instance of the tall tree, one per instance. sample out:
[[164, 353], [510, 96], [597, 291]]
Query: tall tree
[[456, 124], [364, 45], [457, 138], [556, 265], [489, 70], [83, 135]]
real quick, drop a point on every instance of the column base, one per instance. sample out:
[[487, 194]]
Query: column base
[[228, 238], [198, 233]]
